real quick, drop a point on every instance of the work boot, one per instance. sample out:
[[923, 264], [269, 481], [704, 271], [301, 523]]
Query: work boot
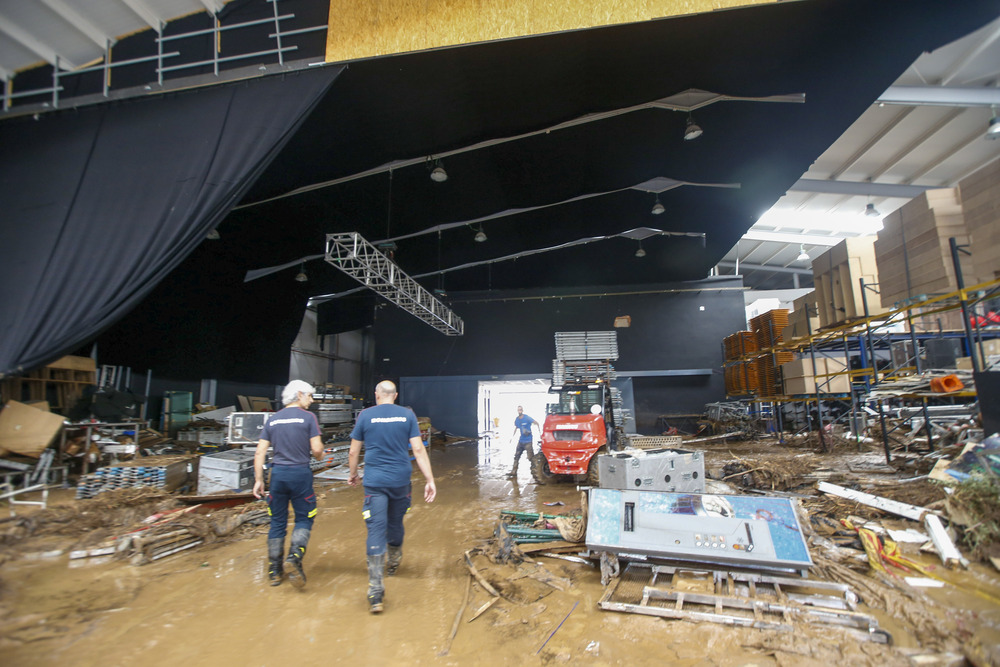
[[296, 551], [275, 572], [394, 557], [513, 472], [376, 589]]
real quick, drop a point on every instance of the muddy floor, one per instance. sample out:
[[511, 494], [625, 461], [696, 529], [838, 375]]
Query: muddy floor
[[211, 604]]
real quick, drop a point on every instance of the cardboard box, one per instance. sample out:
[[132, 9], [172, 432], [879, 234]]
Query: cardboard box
[[837, 384], [27, 430]]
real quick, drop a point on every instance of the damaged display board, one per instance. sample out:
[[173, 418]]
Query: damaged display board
[[749, 530]]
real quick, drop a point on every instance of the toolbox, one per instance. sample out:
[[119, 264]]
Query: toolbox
[[231, 470], [673, 470]]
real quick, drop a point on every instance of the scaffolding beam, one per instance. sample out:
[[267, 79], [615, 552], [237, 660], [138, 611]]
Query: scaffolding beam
[[352, 254]]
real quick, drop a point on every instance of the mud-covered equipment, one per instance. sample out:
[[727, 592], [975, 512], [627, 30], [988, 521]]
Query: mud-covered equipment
[[582, 422]]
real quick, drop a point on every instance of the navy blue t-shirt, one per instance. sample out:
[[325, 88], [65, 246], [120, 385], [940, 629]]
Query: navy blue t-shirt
[[386, 430], [289, 431]]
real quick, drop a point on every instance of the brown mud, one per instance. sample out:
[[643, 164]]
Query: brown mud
[[212, 605]]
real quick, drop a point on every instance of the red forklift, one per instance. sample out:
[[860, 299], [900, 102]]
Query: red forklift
[[582, 423]]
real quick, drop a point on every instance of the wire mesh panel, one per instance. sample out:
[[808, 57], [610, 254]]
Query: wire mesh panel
[[587, 345]]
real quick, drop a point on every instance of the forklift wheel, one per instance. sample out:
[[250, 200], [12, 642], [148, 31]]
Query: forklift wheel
[[540, 469]]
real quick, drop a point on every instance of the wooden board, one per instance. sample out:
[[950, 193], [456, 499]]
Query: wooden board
[[27, 430]]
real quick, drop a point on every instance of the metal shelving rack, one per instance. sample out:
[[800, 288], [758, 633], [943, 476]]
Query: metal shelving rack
[[872, 334]]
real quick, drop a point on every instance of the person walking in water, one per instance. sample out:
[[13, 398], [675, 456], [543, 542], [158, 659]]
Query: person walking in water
[[294, 434], [388, 433], [522, 426]]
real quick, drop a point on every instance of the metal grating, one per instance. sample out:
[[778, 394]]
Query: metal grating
[[587, 345], [358, 258], [738, 598]]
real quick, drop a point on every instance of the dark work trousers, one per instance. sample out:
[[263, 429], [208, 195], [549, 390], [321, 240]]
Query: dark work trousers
[[290, 484], [384, 510], [522, 447]]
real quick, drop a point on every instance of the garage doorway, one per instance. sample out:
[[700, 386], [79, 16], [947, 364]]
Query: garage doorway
[[497, 408]]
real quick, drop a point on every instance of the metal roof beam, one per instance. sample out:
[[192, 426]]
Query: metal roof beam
[[764, 267], [940, 96], [213, 6], [80, 22], [791, 239], [146, 13], [863, 189], [32, 43]]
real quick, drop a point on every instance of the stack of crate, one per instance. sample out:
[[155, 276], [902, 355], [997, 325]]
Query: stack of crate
[[767, 328], [837, 274], [912, 250], [742, 378], [980, 194], [739, 345], [740, 373], [803, 320], [167, 472]]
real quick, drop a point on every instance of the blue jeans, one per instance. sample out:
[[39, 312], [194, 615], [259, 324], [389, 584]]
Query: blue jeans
[[384, 510], [290, 484]]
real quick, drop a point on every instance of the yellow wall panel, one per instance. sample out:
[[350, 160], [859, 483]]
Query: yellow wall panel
[[380, 27]]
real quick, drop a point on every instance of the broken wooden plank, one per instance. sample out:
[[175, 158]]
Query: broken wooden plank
[[482, 610], [458, 616], [904, 510], [949, 554], [479, 578], [556, 546]]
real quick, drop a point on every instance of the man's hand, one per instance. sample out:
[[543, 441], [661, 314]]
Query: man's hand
[[353, 479], [430, 492], [258, 489]]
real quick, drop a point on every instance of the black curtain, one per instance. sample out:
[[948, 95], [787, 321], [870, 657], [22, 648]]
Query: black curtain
[[101, 203]]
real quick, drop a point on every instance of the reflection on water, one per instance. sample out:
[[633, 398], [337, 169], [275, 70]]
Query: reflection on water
[[495, 459]]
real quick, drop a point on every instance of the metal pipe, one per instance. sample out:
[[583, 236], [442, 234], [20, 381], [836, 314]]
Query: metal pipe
[[960, 281]]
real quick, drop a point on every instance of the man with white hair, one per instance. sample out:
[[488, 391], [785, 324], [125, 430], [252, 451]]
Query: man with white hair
[[388, 432], [294, 433]]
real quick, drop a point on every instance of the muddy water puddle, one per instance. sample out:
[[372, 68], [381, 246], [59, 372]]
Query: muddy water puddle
[[211, 605]]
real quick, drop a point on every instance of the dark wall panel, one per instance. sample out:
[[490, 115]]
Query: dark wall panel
[[673, 327]]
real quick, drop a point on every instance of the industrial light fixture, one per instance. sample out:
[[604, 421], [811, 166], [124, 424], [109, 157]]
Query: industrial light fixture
[[658, 207], [213, 235], [803, 255], [438, 174], [640, 252], [692, 130], [301, 276], [871, 211], [480, 235], [993, 127]]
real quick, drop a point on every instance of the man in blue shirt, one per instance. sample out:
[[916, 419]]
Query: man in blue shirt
[[294, 433], [388, 432], [522, 425]]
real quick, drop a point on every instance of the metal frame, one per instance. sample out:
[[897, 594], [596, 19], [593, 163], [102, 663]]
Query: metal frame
[[741, 599], [352, 254], [161, 56]]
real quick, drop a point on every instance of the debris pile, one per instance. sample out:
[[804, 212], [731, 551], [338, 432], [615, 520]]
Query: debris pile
[[140, 524]]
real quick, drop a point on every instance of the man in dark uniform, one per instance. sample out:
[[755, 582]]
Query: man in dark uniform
[[522, 428], [294, 433], [388, 432]]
